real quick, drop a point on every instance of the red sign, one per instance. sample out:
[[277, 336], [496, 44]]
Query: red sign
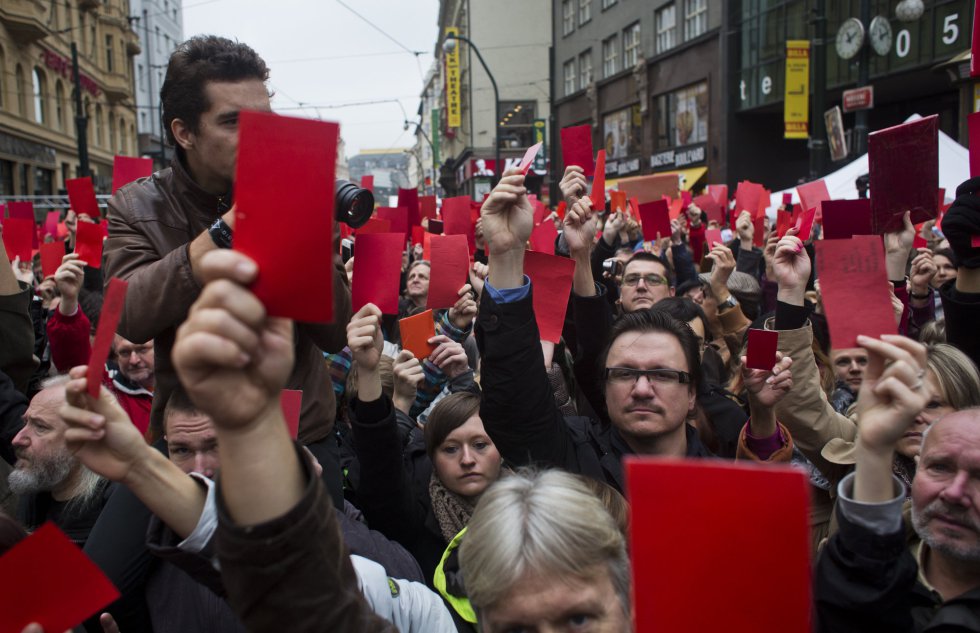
[[862, 98], [62, 66]]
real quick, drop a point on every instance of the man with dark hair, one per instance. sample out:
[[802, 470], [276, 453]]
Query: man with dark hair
[[160, 227]]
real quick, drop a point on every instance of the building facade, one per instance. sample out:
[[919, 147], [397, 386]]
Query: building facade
[[391, 170], [160, 28], [38, 138]]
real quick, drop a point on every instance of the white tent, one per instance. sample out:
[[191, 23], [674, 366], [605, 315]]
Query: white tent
[[954, 168]]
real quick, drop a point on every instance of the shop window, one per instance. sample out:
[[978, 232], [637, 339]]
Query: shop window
[[631, 45], [695, 18], [666, 24], [610, 56], [621, 133], [567, 17], [585, 69], [516, 125], [682, 117], [584, 11], [6, 178], [43, 181], [569, 75]]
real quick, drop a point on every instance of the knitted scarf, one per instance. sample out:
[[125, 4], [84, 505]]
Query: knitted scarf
[[452, 511]]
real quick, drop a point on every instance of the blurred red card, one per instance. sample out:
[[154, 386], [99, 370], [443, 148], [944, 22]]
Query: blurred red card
[[719, 193], [377, 271], [812, 194], [81, 196], [975, 241], [784, 221], [51, 255], [903, 165], [787, 199], [427, 207], [761, 353], [576, 148], [417, 235], [408, 199], [852, 277], [598, 193], [973, 124], [88, 243], [416, 331], [49, 580], [805, 224], [617, 201], [529, 156], [561, 209], [51, 223], [551, 285], [291, 402], [456, 218], [283, 227], [655, 220], [685, 199], [367, 182], [540, 211], [126, 169], [712, 237], [845, 218], [374, 225], [747, 197], [21, 210], [17, 238], [543, 237], [759, 232], [112, 306], [397, 216], [918, 241], [729, 511], [450, 259]]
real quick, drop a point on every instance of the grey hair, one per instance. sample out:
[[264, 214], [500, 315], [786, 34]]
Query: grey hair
[[544, 522], [58, 380]]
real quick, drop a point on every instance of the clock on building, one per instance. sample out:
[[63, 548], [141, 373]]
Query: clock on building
[[880, 35], [850, 37]]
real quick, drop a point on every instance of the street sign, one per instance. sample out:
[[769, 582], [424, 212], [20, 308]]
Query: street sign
[[862, 98]]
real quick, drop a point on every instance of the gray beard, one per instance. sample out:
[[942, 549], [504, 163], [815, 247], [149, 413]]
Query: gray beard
[[921, 525], [40, 476]]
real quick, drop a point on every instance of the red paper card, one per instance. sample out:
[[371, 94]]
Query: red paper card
[[397, 216], [291, 403], [686, 199], [51, 223], [49, 580], [747, 197], [112, 306], [761, 353], [374, 225], [408, 199], [551, 283], [417, 235], [975, 241], [655, 220], [787, 199], [540, 211], [529, 156], [21, 210], [719, 193], [367, 182], [416, 331], [710, 207], [598, 193], [634, 208], [88, 243], [617, 201], [650, 188], [975, 44], [450, 259], [973, 124], [674, 209], [576, 148], [712, 237], [805, 224], [730, 512], [845, 218], [903, 164], [456, 219], [17, 238], [427, 207], [51, 255], [852, 277], [81, 196], [561, 209], [543, 237], [377, 271], [759, 232], [284, 199], [784, 221], [126, 169], [812, 194], [918, 241]]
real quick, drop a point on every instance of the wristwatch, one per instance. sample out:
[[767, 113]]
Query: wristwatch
[[730, 302], [220, 234]]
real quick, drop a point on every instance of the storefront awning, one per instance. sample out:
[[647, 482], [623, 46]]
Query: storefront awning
[[689, 177]]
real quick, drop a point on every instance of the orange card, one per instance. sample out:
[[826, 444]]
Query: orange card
[[416, 331]]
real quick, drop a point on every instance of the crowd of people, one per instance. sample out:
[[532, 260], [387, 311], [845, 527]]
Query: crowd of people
[[482, 487]]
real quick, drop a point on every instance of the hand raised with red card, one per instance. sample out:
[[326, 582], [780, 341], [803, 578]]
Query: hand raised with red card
[[791, 267], [898, 245], [364, 337], [769, 252], [449, 356], [922, 271], [615, 223], [69, 278], [891, 394], [745, 227], [723, 266], [463, 311], [232, 358], [573, 184], [580, 226], [766, 388], [408, 375], [507, 214]]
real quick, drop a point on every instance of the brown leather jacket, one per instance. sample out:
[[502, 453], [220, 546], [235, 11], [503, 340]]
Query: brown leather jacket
[[151, 223]]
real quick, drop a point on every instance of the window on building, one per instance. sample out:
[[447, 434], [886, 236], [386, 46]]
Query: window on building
[[610, 56], [631, 45], [682, 117], [123, 140], [3, 78], [569, 75], [22, 173], [142, 120], [53, 19], [140, 77], [68, 16], [110, 54], [59, 105], [567, 17], [584, 11], [585, 69], [43, 181], [40, 96], [517, 124], [20, 86], [666, 25], [82, 31], [622, 131], [112, 133], [608, 3], [92, 39], [157, 29], [695, 18]]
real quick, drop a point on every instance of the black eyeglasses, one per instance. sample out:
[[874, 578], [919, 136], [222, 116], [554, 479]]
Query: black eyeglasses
[[652, 279], [629, 375]]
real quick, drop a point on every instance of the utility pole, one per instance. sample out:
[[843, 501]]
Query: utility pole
[[818, 129], [81, 120], [552, 129], [149, 78], [864, 71]]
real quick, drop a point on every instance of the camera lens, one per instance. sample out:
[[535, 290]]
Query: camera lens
[[353, 205]]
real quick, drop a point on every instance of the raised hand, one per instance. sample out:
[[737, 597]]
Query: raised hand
[[791, 268], [769, 252], [408, 375], [449, 356], [573, 184], [767, 387], [922, 271], [69, 278], [580, 226], [898, 245], [464, 310], [745, 228], [478, 275], [364, 338], [507, 214], [615, 223], [723, 265]]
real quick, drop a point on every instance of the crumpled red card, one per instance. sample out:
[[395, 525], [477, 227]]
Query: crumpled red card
[[903, 165], [397, 216], [52, 582], [543, 237], [729, 511], [81, 196], [450, 259], [88, 243], [408, 199], [112, 306], [655, 220], [374, 225], [853, 277], [812, 194], [17, 238], [804, 224], [551, 284], [416, 331], [845, 218], [427, 207], [529, 156], [291, 403], [126, 169], [282, 227], [761, 351], [598, 193], [377, 271], [51, 255], [747, 197], [456, 219], [367, 182], [576, 148]]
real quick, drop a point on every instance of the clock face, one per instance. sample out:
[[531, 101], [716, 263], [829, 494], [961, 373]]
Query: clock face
[[880, 34], [850, 37]]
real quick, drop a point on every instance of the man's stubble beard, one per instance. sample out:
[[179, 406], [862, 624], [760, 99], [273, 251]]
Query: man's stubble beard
[[41, 476]]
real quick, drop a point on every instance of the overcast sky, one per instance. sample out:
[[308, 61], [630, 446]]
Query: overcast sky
[[322, 54]]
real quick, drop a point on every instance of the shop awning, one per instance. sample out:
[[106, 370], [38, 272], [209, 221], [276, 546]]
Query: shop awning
[[691, 177]]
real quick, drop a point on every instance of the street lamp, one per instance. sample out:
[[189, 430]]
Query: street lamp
[[448, 47]]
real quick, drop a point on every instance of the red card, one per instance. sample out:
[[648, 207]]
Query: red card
[[655, 220], [374, 225], [713, 210], [764, 201], [712, 237], [674, 209], [397, 216], [367, 182], [918, 241], [408, 199], [284, 199], [719, 193], [427, 207], [17, 238], [852, 277], [112, 306], [291, 403], [427, 254], [126, 169], [561, 209], [540, 211], [377, 271], [529, 156], [576, 148], [787, 199], [973, 124], [21, 210], [903, 164], [81, 196], [417, 235], [51, 223], [975, 44], [759, 232], [730, 512], [435, 227], [51, 255], [804, 224], [844, 218], [812, 194], [49, 580], [617, 201], [784, 221], [543, 237], [456, 219], [551, 281], [975, 241], [450, 259], [416, 331], [685, 199], [599, 182], [88, 243], [747, 197], [761, 353]]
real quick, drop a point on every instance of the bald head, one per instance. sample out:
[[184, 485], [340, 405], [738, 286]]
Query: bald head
[[44, 462]]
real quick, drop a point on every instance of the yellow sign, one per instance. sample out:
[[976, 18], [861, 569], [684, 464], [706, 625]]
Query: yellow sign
[[796, 101], [454, 106]]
